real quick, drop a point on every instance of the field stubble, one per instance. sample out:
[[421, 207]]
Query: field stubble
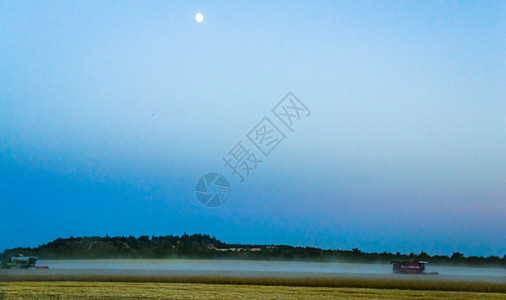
[[153, 290]]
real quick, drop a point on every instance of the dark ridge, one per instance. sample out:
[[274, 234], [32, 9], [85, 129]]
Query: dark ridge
[[203, 246]]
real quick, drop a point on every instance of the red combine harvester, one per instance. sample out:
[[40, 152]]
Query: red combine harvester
[[409, 267]]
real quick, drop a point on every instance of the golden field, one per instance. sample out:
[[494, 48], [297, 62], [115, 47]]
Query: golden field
[[433, 283], [153, 290]]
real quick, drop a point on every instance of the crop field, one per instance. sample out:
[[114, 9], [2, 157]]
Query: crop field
[[152, 290], [387, 282]]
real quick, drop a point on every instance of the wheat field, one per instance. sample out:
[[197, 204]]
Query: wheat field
[[152, 290]]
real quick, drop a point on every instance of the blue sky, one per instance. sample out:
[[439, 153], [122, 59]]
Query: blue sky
[[110, 112]]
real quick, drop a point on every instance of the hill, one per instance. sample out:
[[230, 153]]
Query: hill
[[204, 246]]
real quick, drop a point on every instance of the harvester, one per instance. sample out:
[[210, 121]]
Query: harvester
[[410, 267], [23, 262]]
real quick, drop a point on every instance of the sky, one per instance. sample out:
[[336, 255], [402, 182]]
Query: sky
[[111, 111]]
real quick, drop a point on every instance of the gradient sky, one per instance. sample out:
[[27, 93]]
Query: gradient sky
[[111, 111]]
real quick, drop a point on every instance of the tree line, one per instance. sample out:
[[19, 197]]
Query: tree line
[[204, 246]]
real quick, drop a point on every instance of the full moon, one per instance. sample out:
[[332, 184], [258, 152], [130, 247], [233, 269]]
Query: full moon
[[199, 17]]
